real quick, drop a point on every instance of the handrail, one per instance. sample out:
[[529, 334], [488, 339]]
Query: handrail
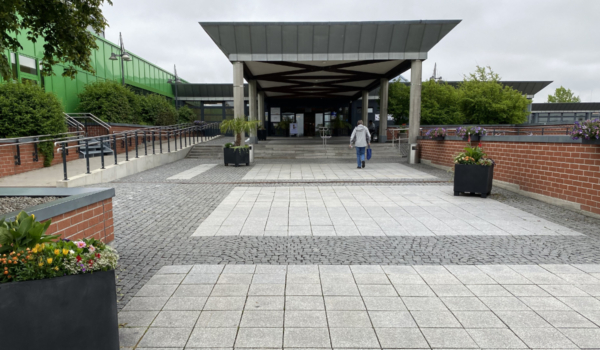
[[38, 136], [92, 117], [73, 122], [498, 131]]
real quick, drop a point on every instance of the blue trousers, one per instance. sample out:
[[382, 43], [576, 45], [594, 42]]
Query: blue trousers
[[360, 155]]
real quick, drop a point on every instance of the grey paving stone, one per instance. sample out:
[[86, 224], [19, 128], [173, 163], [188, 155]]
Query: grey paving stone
[[451, 290], [136, 318], [406, 338], [376, 290], [265, 303], [306, 289], [520, 290], [566, 319], [522, 319], [437, 319], [229, 290], [165, 337], [239, 268], [384, 303], [504, 303], [464, 304], [225, 303], [268, 278], [129, 337], [391, 319], [167, 279], [305, 319], [235, 278], [354, 338], [448, 338], [259, 338], [151, 290], [306, 338], [344, 303], [544, 303], [489, 291], [543, 338], [267, 289], [345, 289], [304, 303], [200, 278], [478, 319], [212, 338], [146, 304], [206, 269], [176, 319], [304, 278], [414, 290], [581, 303], [561, 290], [371, 278], [174, 269], [193, 290], [219, 319], [259, 319], [424, 303], [583, 337], [348, 319], [185, 304], [496, 339]]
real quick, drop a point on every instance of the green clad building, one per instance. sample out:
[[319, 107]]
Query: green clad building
[[141, 75]]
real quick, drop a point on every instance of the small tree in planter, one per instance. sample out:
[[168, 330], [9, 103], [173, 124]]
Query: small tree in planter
[[261, 133], [473, 172], [437, 134], [237, 153], [471, 133], [59, 288], [588, 131]]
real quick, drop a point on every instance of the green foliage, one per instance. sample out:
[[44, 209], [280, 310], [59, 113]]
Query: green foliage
[[27, 110], [483, 100], [399, 101], [156, 110], [563, 95], [186, 114], [238, 125], [110, 101], [439, 104], [473, 156], [62, 25], [340, 123], [23, 233], [228, 145]]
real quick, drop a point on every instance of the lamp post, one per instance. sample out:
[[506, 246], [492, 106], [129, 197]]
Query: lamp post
[[175, 82], [124, 57]]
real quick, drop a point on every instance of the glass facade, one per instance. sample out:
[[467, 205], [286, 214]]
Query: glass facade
[[562, 117], [27, 65]]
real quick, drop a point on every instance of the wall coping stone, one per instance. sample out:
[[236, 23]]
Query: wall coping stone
[[73, 199], [515, 138]]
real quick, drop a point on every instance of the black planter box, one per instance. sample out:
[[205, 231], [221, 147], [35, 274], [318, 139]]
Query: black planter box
[[438, 138], [237, 157], [64, 313], [590, 141], [474, 138], [473, 179], [262, 135]]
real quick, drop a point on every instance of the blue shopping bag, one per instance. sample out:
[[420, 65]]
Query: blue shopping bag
[[369, 153]]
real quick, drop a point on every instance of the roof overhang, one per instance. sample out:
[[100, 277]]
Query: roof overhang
[[325, 59]]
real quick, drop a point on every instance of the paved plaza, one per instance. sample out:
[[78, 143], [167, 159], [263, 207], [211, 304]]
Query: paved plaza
[[367, 211], [214, 257], [347, 171]]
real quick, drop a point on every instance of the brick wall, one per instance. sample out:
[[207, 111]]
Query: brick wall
[[8, 153], [93, 221], [568, 171]]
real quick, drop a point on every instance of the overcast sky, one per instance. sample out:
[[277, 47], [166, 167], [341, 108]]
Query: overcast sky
[[520, 40]]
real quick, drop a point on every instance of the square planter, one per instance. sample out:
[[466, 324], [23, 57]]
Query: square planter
[[438, 138], [590, 142], [71, 312], [473, 179], [237, 157], [474, 138], [262, 135]]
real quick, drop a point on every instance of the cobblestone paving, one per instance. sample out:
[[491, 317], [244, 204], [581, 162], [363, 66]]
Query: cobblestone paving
[[154, 219], [366, 307]]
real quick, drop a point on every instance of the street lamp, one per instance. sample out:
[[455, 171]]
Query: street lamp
[[175, 82], [124, 57]]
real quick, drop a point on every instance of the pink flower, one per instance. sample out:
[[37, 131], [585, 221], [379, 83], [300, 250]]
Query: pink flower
[[80, 244], [91, 248]]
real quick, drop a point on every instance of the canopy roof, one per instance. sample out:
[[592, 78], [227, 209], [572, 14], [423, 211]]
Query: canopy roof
[[325, 59]]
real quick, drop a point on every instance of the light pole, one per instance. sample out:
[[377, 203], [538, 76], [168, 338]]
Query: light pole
[[124, 57], [175, 82]]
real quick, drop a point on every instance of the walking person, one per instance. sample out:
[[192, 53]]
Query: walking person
[[361, 137]]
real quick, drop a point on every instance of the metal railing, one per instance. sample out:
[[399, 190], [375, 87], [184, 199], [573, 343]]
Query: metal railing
[[72, 122], [18, 142], [188, 134], [72, 117], [514, 130]]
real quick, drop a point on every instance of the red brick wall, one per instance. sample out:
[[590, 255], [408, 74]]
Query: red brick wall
[[8, 153], [569, 171], [93, 221]]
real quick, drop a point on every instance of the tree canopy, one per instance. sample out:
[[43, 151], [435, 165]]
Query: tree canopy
[[563, 95], [62, 25]]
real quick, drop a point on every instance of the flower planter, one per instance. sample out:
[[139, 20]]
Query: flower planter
[[71, 312], [590, 142], [474, 138], [262, 135], [438, 138], [473, 179], [236, 156]]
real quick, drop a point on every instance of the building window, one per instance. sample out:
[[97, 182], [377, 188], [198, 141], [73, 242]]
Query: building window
[[27, 65], [212, 104], [13, 61], [213, 114]]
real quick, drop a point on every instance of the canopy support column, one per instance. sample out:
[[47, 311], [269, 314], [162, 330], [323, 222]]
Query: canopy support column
[[414, 114], [238, 92], [365, 107], [383, 109], [253, 109]]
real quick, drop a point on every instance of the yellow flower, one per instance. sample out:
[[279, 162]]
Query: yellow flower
[[49, 260], [56, 268], [56, 251], [34, 250], [41, 263], [65, 251], [33, 216]]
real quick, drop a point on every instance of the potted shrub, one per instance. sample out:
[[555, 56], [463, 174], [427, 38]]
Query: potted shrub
[[283, 127], [588, 131], [471, 133], [340, 127], [473, 172], [236, 153], [262, 133], [55, 294], [437, 134]]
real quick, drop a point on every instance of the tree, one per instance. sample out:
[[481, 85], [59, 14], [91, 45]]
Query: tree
[[156, 110], [563, 95], [398, 101], [484, 100], [110, 101], [62, 25], [186, 114]]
